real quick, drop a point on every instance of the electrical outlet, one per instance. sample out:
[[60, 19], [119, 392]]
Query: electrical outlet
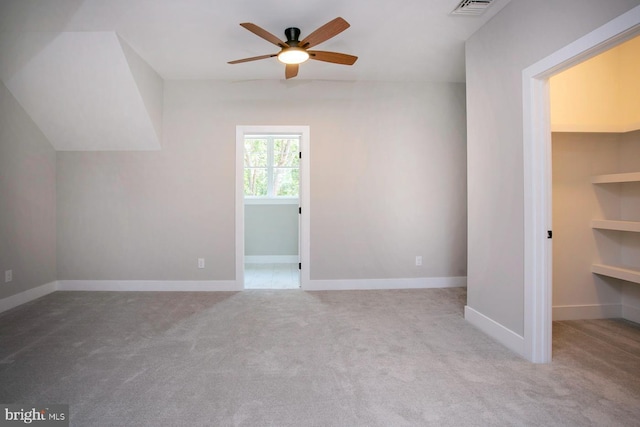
[[418, 260], [8, 276], [200, 262]]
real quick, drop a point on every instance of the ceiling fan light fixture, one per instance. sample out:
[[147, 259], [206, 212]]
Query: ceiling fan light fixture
[[294, 52], [293, 55]]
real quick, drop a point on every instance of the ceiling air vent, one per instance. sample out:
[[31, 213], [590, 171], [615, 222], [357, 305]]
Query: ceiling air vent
[[472, 7]]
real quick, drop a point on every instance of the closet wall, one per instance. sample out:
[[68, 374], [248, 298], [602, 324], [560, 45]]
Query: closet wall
[[271, 230], [594, 114], [578, 157]]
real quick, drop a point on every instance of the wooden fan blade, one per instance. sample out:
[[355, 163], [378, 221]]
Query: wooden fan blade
[[335, 57], [291, 70], [328, 30], [264, 34], [254, 58]]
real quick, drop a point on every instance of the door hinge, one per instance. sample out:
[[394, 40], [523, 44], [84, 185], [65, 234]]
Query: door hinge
[[299, 266], [299, 154], [299, 210], [549, 234]]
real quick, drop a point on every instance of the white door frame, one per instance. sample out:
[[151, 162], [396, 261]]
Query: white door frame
[[304, 222], [537, 174]]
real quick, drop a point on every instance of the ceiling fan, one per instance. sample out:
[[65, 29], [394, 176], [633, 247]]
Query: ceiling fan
[[294, 52]]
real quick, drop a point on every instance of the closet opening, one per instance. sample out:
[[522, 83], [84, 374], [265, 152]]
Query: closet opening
[[539, 286], [595, 125]]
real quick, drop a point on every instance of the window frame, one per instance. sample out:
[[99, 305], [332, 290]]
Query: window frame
[[270, 198]]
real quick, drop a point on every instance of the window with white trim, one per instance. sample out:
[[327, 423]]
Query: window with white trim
[[271, 167]]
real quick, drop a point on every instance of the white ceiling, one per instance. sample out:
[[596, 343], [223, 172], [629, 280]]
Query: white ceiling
[[408, 40]]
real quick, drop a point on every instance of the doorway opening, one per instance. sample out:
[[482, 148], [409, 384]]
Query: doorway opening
[[271, 200], [537, 175], [595, 124], [271, 204]]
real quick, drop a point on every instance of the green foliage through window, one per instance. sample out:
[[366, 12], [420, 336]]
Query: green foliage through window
[[271, 166]]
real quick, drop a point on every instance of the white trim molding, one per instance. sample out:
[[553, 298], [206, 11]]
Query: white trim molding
[[271, 201], [495, 330], [29, 295], [588, 311], [271, 259], [537, 165], [304, 198], [149, 285], [380, 284]]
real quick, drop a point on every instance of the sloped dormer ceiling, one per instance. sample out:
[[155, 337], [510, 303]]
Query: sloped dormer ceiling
[[84, 90]]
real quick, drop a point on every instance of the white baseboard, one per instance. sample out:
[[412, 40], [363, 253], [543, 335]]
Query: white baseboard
[[373, 284], [631, 313], [271, 259], [495, 330], [149, 285], [589, 311], [29, 295]]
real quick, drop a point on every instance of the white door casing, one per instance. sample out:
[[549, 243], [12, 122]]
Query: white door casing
[[304, 197]]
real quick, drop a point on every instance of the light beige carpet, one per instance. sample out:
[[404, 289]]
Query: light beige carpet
[[294, 358]]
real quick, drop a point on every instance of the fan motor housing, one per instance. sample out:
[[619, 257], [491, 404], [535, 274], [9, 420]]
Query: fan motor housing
[[292, 34]]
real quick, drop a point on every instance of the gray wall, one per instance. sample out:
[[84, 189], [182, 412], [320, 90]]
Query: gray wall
[[270, 229], [388, 182], [27, 200], [523, 33]]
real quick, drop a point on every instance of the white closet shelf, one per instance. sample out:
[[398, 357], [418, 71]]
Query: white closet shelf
[[616, 177], [627, 274], [606, 224]]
